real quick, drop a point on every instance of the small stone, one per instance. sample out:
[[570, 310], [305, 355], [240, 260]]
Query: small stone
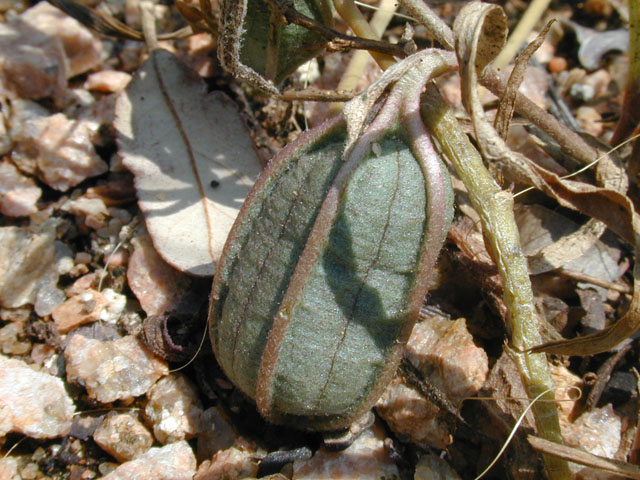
[[82, 49], [84, 426], [57, 149], [199, 55], [32, 403], [557, 64], [32, 64], [112, 370], [49, 296], [581, 92], [83, 258], [41, 352], [171, 462], [84, 206], [30, 471], [122, 436], [15, 314], [85, 307], [365, 459], [173, 409], [408, 412], [78, 472], [82, 284], [432, 467], [157, 286], [227, 464], [216, 433], [18, 194], [116, 303], [597, 431], [12, 340], [599, 81], [119, 258], [118, 190], [47, 357], [64, 258], [444, 351], [107, 81], [590, 120], [9, 468], [26, 256]]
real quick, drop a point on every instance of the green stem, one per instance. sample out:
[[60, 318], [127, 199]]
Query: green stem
[[629, 115], [495, 208]]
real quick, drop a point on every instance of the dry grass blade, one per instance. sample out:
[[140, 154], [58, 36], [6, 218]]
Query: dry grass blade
[[508, 100], [576, 455], [534, 12]]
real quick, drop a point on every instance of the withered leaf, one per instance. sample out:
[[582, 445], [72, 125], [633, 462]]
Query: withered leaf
[[192, 158]]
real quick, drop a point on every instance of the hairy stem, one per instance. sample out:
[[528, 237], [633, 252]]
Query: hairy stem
[[495, 208]]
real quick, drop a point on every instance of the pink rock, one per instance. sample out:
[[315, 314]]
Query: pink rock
[[157, 286], [366, 459], [26, 256], [12, 339], [445, 352], [83, 308], [123, 436], [173, 409], [408, 412], [447, 357], [9, 468], [590, 120], [175, 461], [81, 284], [230, 463], [107, 81], [32, 64], [112, 370], [597, 431], [59, 150], [18, 194], [82, 48], [33, 403]]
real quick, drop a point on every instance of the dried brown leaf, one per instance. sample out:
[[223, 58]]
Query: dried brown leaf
[[192, 158], [577, 455], [551, 241], [508, 100]]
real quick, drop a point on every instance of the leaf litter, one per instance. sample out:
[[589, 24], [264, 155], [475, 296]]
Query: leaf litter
[[86, 243]]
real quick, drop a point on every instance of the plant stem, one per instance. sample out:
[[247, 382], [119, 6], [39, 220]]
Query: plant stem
[[352, 15], [361, 58], [630, 116], [495, 208], [531, 16]]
